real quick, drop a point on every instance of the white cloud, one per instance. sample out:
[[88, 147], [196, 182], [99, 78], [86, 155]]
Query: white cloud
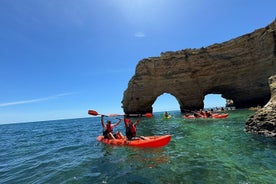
[[139, 34], [33, 100]]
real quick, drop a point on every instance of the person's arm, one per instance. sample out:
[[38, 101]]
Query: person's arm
[[102, 121], [125, 121], [138, 120], [117, 123]]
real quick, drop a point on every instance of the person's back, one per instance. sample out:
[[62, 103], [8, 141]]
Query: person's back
[[131, 127], [131, 131], [196, 115], [207, 114]]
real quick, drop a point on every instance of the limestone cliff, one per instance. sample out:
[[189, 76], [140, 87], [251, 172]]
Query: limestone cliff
[[264, 120], [238, 69]]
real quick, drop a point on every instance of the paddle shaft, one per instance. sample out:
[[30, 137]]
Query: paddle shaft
[[95, 113]]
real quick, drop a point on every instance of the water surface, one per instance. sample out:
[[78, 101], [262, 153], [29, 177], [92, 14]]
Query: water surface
[[201, 151]]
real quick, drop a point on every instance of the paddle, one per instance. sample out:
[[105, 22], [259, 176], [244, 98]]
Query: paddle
[[148, 115], [95, 113]]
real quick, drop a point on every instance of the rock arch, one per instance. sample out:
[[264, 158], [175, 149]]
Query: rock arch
[[165, 102], [238, 69]]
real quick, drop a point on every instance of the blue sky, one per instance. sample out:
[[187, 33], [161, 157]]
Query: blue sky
[[59, 58]]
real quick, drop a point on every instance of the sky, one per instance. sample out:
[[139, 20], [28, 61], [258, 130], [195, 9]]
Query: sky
[[59, 58]]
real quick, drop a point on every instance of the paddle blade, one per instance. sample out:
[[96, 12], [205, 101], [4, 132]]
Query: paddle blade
[[148, 115], [92, 112]]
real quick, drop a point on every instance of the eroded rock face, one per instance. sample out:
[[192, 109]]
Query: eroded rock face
[[264, 120], [238, 69]]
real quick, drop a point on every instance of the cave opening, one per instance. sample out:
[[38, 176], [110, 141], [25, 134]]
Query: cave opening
[[214, 101], [165, 102]]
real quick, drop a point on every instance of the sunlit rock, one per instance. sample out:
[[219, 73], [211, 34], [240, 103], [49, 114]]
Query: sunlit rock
[[238, 69], [264, 120]]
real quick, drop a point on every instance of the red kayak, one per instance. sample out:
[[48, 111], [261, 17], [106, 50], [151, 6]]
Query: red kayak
[[216, 116], [220, 115], [142, 141]]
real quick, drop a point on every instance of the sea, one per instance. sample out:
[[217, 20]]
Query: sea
[[201, 151]]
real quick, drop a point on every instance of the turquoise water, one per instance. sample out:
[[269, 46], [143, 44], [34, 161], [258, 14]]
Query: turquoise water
[[201, 151]]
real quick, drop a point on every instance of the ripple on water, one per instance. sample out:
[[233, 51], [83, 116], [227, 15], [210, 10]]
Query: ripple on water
[[212, 151]]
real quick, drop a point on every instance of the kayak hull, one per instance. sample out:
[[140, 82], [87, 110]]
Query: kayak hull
[[215, 116], [220, 115], [143, 141], [168, 117]]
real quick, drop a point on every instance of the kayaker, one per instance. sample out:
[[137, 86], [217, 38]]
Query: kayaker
[[207, 114], [201, 113], [166, 114], [196, 115], [131, 127], [108, 129]]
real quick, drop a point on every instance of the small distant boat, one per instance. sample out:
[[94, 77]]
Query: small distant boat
[[254, 108], [142, 141]]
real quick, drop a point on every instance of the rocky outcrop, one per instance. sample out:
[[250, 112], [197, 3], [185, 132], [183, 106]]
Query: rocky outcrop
[[237, 69], [264, 120]]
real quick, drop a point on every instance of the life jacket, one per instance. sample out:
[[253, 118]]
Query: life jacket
[[109, 128], [131, 131]]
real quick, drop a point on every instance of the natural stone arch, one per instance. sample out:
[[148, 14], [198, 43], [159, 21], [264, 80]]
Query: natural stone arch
[[238, 69], [161, 95], [165, 102]]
